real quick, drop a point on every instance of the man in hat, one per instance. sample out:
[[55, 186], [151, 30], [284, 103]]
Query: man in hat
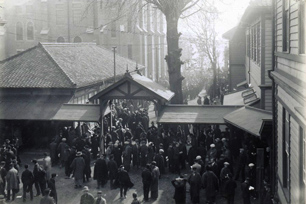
[[127, 156], [3, 173], [194, 181], [12, 183], [47, 199], [199, 101], [229, 189], [39, 178], [47, 165], [160, 161], [246, 194], [51, 186], [210, 184], [86, 157], [53, 152], [223, 175], [146, 181], [211, 153], [27, 179], [124, 181], [87, 198], [61, 149], [101, 172], [180, 190], [78, 166], [197, 164], [143, 153], [99, 199], [250, 173], [113, 170], [154, 183], [206, 100], [242, 159]]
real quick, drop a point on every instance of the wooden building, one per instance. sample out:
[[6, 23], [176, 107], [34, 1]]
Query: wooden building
[[251, 59], [289, 77], [35, 85]]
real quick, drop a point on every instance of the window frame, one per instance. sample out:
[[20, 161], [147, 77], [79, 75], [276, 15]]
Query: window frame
[[286, 24], [302, 30], [33, 37]]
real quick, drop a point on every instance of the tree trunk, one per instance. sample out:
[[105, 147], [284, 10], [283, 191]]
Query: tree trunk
[[173, 59]]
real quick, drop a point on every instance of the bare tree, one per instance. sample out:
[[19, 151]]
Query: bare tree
[[173, 10], [206, 41]]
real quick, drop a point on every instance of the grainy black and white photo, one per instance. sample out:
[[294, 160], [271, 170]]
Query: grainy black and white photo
[[152, 101]]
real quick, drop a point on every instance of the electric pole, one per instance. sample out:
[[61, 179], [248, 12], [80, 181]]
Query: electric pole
[[114, 50]]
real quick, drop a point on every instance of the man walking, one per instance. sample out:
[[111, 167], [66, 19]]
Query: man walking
[[27, 179], [51, 186], [154, 183], [12, 182], [146, 181], [78, 165], [101, 172], [113, 170], [210, 184], [194, 181]]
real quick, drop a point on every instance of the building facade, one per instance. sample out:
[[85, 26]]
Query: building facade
[[289, 77], [136, 29], [251, 59]]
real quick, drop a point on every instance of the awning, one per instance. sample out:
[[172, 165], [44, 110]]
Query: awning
[[79, 112], [249, 119], [30, 108], [242, 83], [186, 114], [233, 99], [247, 96]]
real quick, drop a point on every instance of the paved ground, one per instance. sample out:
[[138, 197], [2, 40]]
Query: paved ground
[[68, 195]]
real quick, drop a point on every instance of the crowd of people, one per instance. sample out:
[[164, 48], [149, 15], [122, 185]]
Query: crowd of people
[[214, 160]]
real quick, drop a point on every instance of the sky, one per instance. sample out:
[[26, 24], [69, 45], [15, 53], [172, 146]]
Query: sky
[[230, 13]]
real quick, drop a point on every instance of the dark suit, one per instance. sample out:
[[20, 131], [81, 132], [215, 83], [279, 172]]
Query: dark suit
[[146, 180], [27, 179]]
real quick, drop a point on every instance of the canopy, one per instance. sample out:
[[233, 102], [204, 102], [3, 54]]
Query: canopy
[[195, 114], [249, 119], [30, 108], [79, 112]]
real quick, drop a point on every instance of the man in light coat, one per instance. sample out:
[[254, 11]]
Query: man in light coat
[[12, 182], [154, 183]]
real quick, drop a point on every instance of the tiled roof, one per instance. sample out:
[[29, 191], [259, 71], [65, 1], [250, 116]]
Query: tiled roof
[[32, 68], [87, 64], [61, 65]]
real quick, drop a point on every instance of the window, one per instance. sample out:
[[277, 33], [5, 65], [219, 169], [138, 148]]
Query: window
[[258, 43], [254, 43], [30, 31], [76, 13], [77, 39], [285, 25], [60, 40], [113, 29], [286, 148], [302, 41], [60, 14], [19, 31], [130, 51], [248, 44]]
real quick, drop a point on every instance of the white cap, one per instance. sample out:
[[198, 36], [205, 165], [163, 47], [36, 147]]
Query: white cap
[[198, 157], [226, 163], [212, 145], [251, 164]]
